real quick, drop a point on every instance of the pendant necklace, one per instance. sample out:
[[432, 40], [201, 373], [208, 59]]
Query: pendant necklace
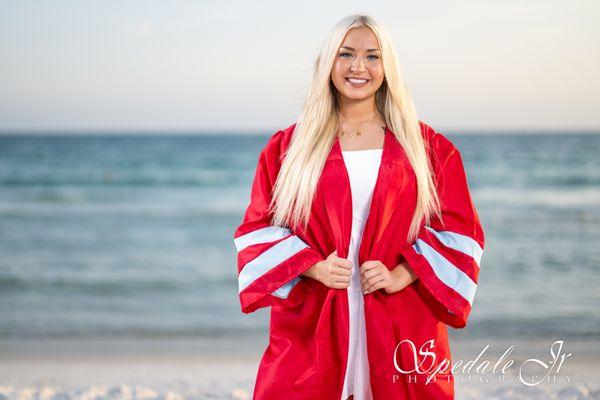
[[358, 132]]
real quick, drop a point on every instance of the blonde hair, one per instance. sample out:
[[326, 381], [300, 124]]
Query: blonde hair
[[317, 126]]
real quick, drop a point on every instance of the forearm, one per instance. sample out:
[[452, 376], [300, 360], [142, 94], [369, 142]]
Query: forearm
[[403, 275]]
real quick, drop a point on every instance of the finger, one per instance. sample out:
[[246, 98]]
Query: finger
[[344, 263], [374, 286], [344, 273], [374, 279], [339, 284], [365, 276], [337, 260], [342, 279], [341, 271], [368, 282], [370, 272], [367, 266]]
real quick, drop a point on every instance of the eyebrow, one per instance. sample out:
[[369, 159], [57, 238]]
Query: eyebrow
[[350, 48]]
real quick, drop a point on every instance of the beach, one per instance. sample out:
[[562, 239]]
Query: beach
[[223, 368], [118, 275]]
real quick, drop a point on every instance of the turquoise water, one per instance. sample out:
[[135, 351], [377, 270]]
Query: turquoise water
[[132, 235]]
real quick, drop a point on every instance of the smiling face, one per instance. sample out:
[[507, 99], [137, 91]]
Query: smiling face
[[359, 57]]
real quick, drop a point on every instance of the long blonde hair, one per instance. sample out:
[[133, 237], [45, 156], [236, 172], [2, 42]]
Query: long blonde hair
[[317, 126]]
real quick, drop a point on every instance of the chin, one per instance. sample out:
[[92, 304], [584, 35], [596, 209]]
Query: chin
[[357, 96]]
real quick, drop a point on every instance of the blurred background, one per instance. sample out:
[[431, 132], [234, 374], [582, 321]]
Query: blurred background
[[130, 131]]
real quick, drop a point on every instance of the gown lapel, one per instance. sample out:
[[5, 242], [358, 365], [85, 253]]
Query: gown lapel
[[392, 180], [395, 183], [336, 193]]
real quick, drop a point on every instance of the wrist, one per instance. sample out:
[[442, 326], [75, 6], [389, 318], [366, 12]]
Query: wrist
[[312, 271], [398, 278], [403, 277]]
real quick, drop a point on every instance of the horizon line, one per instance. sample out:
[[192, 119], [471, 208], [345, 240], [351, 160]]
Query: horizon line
[[271, 131]]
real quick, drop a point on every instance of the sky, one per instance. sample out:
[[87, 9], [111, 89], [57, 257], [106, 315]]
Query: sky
[[244, 66]]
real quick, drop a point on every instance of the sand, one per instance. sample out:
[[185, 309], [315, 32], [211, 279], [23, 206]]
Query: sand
[[222, 368]]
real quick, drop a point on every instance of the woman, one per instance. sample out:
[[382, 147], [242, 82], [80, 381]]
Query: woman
[[360, 235]]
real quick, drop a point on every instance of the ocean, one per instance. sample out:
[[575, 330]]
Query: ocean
[[106, 235]]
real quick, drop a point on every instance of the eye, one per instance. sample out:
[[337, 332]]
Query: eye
[[375, 57], [345, 54]]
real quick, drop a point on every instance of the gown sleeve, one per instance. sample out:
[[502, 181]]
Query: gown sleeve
[[446, 256], [270, 258]]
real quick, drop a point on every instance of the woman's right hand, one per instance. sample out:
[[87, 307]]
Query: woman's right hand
[[334, 272]]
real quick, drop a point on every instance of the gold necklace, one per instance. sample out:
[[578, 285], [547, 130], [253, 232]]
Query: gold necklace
[[358, 132]]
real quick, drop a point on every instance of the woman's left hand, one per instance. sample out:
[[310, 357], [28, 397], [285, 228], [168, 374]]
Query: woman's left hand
[[375, 275]]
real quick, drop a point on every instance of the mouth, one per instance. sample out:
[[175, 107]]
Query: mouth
[[357, 82]]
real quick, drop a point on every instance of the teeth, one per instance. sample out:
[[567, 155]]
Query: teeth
[[357, 80]]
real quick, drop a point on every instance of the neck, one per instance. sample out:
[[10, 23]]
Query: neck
[[357, 111]]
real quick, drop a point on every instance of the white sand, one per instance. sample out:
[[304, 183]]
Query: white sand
[[225, 369]]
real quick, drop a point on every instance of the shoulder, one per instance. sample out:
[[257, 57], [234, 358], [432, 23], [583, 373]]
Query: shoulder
[[439, 147], [277, 144], [280, 140]]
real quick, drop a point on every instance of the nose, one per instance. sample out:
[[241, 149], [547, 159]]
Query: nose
[[353, 65]]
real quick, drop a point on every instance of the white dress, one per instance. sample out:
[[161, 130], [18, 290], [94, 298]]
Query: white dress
[[363, 169]]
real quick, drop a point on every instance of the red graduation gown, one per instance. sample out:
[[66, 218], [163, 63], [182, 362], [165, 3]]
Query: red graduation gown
[[309, 333]]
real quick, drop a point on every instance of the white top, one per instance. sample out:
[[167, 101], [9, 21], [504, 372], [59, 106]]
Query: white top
[[363, 169]]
